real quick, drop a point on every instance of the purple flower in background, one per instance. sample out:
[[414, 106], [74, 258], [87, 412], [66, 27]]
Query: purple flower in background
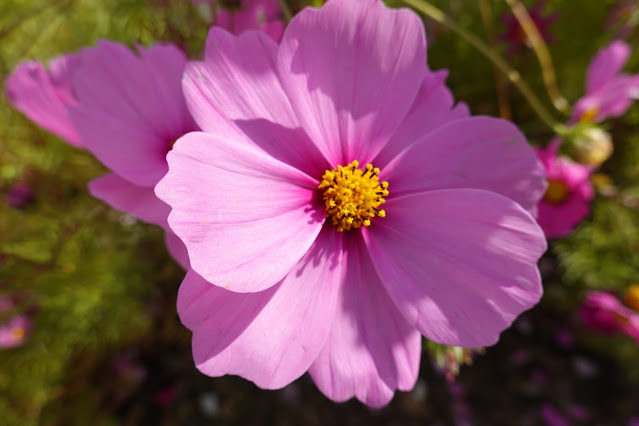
[[14, 329], [43, 95], [568, 195], [303, 259], [19, 196], [552, 417], [609, 93], [264, 15], [623, 18], [514, 35], [127, 110], [604, 313]]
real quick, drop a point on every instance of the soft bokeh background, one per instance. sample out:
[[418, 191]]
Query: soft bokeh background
[[107, 347]]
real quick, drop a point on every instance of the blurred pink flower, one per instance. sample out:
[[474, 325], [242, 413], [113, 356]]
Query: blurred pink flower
[[604, 313], [43, 95], [259, 196], [514, 35], [15, 329], [609, 93], [19, 196], [265, 15], [552, 417], [567, 199], [127, 110], [623, 18]]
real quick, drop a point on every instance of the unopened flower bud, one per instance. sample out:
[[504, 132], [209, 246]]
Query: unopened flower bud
[[589, 145]]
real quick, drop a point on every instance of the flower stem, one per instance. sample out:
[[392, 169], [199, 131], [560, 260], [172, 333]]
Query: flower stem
[[513, 76], [543, 55], [286, 11]]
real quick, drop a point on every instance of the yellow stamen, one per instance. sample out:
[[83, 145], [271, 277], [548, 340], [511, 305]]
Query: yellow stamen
[[352, 196], [18, 332], [632, 297], [557, 191], [589, 115]]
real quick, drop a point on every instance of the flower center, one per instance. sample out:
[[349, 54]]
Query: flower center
[[557, 191], [18, 332], [589, 115], [632, 297], [352, 196]]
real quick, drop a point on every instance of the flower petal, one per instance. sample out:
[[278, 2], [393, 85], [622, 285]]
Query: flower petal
[[237, 82], [433, 107], [43, 96], [460, 264], [477, 152], [372, 350], [131, 109], [270, 337], [606, 64], [177, 249], [245, 218], [351, 71], [139, 201]]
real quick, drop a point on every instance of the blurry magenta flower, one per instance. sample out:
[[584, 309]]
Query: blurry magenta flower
[[609, 93], [14, 329], [552, 417], [623, 18], [19, 196], [604, 313], [265, 15], [127, 110], [165, 396], [514, 35], [260, 195], [43, 95], [567, 199]]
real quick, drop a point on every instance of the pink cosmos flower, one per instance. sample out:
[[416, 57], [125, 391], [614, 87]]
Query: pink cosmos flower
[[514, 35], [262, 15], [609, 93], [15, 329], [43, 96], [127, 110], [446, 249], [604, 313], [567, 199]]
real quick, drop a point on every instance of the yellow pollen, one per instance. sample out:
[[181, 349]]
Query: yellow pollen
[[352, 196], [18, 332], [589, 115], [557, 191], [632, 297]]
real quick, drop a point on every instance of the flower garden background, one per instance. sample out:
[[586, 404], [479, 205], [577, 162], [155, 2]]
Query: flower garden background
[[89, 329]]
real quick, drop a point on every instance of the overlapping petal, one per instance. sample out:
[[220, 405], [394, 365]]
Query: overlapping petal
[[245, 217], [372, 351], [140, 201], [460, 264], [238, 82], [606, 64], [130, 123], [269, 337], [478, 152], [433, 107], [44, 95], [351, 71]]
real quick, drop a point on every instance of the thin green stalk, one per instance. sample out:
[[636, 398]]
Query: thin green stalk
[[286, 11], [513, 76], [543, 55]]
